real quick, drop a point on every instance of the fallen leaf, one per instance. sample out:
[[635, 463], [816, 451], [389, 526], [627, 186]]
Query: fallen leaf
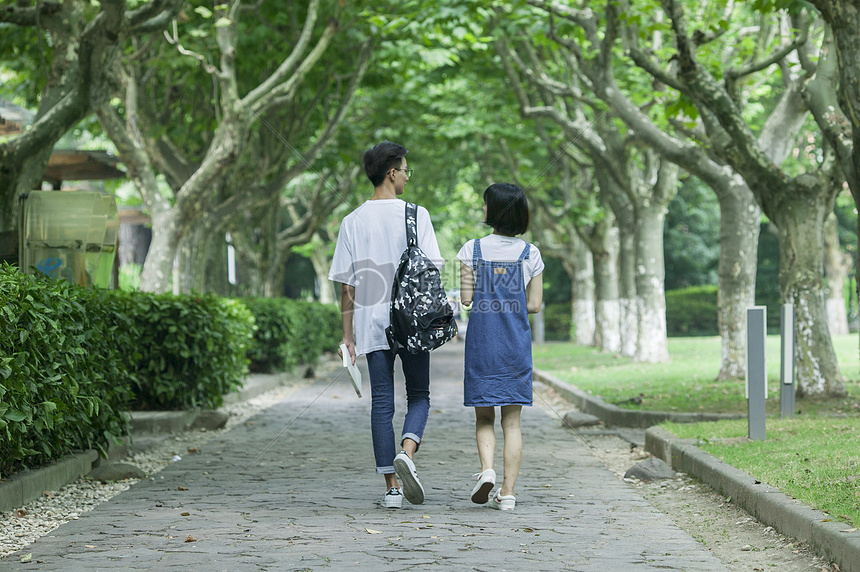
[[184, 514], [826, 520], [190, 538], [848, 530], [20, 513], [27, 558], [193, 450], [49, 494], [371, 531], [425, 516], [90, 546], [182, 488], [528, 530]]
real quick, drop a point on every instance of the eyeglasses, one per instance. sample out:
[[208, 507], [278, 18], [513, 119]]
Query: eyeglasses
[[407, 171]]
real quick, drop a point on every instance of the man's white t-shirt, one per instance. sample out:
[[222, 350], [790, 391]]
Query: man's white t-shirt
[[369, 244], [497, 248]]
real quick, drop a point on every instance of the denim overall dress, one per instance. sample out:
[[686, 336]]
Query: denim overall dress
[[498, 340]]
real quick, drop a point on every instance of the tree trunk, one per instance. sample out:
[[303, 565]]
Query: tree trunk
[[650, 275], [19, 175], [603, 243], [81, 44], [740, 219], [627, 306], [158, 267], [194, 259], [800, 224], [582, 307], [836, 267], [320, 259]]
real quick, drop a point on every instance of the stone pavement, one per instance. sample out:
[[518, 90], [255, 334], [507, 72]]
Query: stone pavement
[[295, 489]]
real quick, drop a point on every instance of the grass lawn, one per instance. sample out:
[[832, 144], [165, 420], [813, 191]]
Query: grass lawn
[[686, 382], [814, 457]]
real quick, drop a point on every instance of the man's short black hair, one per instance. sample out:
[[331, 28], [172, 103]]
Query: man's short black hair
[[381, 158], [507, 209]]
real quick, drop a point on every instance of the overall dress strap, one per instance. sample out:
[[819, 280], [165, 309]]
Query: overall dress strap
[[476, 253], [525, 253]]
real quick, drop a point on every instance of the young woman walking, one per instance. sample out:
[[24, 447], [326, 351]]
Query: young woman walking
[[500, 275]]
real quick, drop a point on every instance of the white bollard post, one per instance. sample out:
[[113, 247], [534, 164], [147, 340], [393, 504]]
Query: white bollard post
[[786, 365]]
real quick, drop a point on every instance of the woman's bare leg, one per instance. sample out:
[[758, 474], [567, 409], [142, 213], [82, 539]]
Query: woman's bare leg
[[485, 419], [513, 447]]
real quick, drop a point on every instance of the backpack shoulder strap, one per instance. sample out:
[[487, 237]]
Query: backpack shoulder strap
[[411, 224]]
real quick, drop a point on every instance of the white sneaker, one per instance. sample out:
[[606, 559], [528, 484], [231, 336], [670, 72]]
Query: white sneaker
[[405, 469], [503, 502], [486, 482], [393, 498]]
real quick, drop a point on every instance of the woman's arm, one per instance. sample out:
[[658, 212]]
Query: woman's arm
[[534, 294], [467, 284]]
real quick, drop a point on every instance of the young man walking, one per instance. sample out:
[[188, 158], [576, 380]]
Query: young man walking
[[369, 244]]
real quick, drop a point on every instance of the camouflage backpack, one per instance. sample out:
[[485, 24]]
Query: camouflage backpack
[[421, 318]]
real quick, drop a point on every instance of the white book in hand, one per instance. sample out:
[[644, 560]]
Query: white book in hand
[[354, 373]]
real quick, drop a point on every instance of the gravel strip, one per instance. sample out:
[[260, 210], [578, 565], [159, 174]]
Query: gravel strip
[[24, 525]]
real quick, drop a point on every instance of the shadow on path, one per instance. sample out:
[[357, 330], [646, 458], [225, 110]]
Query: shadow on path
[[295, 489]]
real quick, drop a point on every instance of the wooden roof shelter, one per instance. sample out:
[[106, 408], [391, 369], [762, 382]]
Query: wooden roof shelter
[[76, 165], [13, 118], [9, 127], [64, 164]]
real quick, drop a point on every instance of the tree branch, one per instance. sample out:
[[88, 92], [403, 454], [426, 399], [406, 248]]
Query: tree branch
[[745, 155], [287, 88], [29, 16], [733, 74], [154, 15], [173, 39]]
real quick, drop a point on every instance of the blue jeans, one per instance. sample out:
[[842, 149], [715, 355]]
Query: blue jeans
[[416, 369]]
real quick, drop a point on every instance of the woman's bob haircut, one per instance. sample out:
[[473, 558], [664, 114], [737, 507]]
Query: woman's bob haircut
[[507, 209]]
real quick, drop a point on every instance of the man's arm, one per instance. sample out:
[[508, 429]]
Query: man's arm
[[347, 307]]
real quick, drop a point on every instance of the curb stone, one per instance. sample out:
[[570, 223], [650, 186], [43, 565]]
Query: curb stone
[[21, 488], [767, 504]]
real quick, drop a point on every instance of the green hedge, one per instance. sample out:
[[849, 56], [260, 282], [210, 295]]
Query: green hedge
[[692, 311], [63, 382], [557, 322], [72, 360], [290, 332], [190, 350]]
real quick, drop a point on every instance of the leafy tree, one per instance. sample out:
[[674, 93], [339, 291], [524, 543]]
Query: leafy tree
[[798, 205], [591, 50], [204, 126], [628, 174], [59, 54]]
